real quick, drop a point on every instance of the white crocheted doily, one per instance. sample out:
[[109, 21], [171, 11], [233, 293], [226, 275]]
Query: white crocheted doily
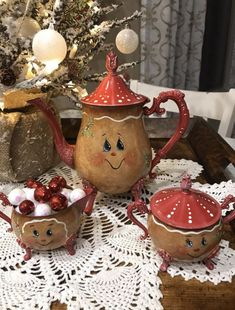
[[112, 267]]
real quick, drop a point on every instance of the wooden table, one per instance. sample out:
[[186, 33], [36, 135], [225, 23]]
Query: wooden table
[[204, 145]]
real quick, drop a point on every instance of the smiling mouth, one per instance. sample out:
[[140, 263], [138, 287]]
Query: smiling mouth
[[115, 168], [194, 256], [44, 244]]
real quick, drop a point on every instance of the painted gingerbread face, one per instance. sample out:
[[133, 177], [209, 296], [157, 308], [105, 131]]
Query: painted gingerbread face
[[197, 246], [113, 152], [44, 234], [182, 245]]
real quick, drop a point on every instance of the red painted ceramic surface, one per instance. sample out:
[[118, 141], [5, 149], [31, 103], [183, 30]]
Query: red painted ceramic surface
[[185, 208], [113, 91]]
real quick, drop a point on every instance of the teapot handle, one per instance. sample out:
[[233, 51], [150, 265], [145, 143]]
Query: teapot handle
[[178, 97], [226, 202]]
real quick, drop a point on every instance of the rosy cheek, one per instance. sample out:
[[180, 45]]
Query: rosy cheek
[[97, 158], [30, 240], [130, 158]]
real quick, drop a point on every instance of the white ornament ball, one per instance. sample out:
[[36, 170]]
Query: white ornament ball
[[29, 192], [28, 28], [127, 41], [76, 194], [49, 47], [66, 192], [16, 196], [42, 209]]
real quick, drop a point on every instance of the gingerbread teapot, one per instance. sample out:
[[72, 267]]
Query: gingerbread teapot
[[113, 153]]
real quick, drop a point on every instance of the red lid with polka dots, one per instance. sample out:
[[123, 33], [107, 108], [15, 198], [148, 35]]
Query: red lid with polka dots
[[113, 91], [185, 208]]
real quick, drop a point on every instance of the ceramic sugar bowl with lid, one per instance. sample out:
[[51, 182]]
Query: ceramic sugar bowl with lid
[[186, 224]]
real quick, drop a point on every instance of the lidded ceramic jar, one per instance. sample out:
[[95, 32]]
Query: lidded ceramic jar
[[186, 224]]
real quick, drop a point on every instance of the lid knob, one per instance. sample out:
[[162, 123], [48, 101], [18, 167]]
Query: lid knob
[[186, 183], [111, 62]]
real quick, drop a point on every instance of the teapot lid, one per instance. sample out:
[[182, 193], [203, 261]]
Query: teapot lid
[[184, 207], [113, 91]]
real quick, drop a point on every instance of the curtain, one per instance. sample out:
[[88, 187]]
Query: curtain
[[218, 52], [171, 38]]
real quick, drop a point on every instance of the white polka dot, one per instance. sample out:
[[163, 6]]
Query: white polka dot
[[174, 209], [169, 216], [190, 213], [211, 214], [204, 207], [95, 100], [190, 217], [188, 205], [119, 100], [172, 212], [208, 211], [190, 221]]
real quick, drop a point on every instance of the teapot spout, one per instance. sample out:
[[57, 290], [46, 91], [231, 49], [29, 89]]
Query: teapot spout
[[65, 150]]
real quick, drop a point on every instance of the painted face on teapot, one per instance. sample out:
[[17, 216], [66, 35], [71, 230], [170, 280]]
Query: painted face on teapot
[[44, 234], [183, 245], [114, 148], [196, 246]]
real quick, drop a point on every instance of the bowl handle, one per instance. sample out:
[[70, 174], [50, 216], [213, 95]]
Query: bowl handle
[[226, 202], [131, 207]]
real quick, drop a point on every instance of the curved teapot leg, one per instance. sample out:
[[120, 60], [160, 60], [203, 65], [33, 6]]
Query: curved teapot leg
[[136, 192], [89, 188], [139, 205], [28, 250], [70, 244], [166, 260]]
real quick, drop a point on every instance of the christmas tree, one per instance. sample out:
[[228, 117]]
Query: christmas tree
[[78, 27]]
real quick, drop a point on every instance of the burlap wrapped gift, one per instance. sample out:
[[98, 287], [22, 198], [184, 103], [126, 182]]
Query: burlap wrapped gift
[[26, 144]]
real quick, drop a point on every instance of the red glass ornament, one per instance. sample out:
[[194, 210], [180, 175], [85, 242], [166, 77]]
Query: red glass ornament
[[42, 194], [26, 207], [31, 183], [58, 202], [54, 186], [57, 183]]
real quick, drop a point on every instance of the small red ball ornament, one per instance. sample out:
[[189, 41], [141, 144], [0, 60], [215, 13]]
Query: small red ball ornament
[[58, 202], [31, 183], [57, 183], [54, 186], [42, 194], [26, 207]]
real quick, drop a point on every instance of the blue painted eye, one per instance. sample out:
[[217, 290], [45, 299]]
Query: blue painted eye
[[107, 146], [189, 243], [49, 233], [120, 145], [35, 233], [203, 242]]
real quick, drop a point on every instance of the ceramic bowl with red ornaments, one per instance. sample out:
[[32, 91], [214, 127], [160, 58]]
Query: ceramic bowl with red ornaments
[[46, 217]]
